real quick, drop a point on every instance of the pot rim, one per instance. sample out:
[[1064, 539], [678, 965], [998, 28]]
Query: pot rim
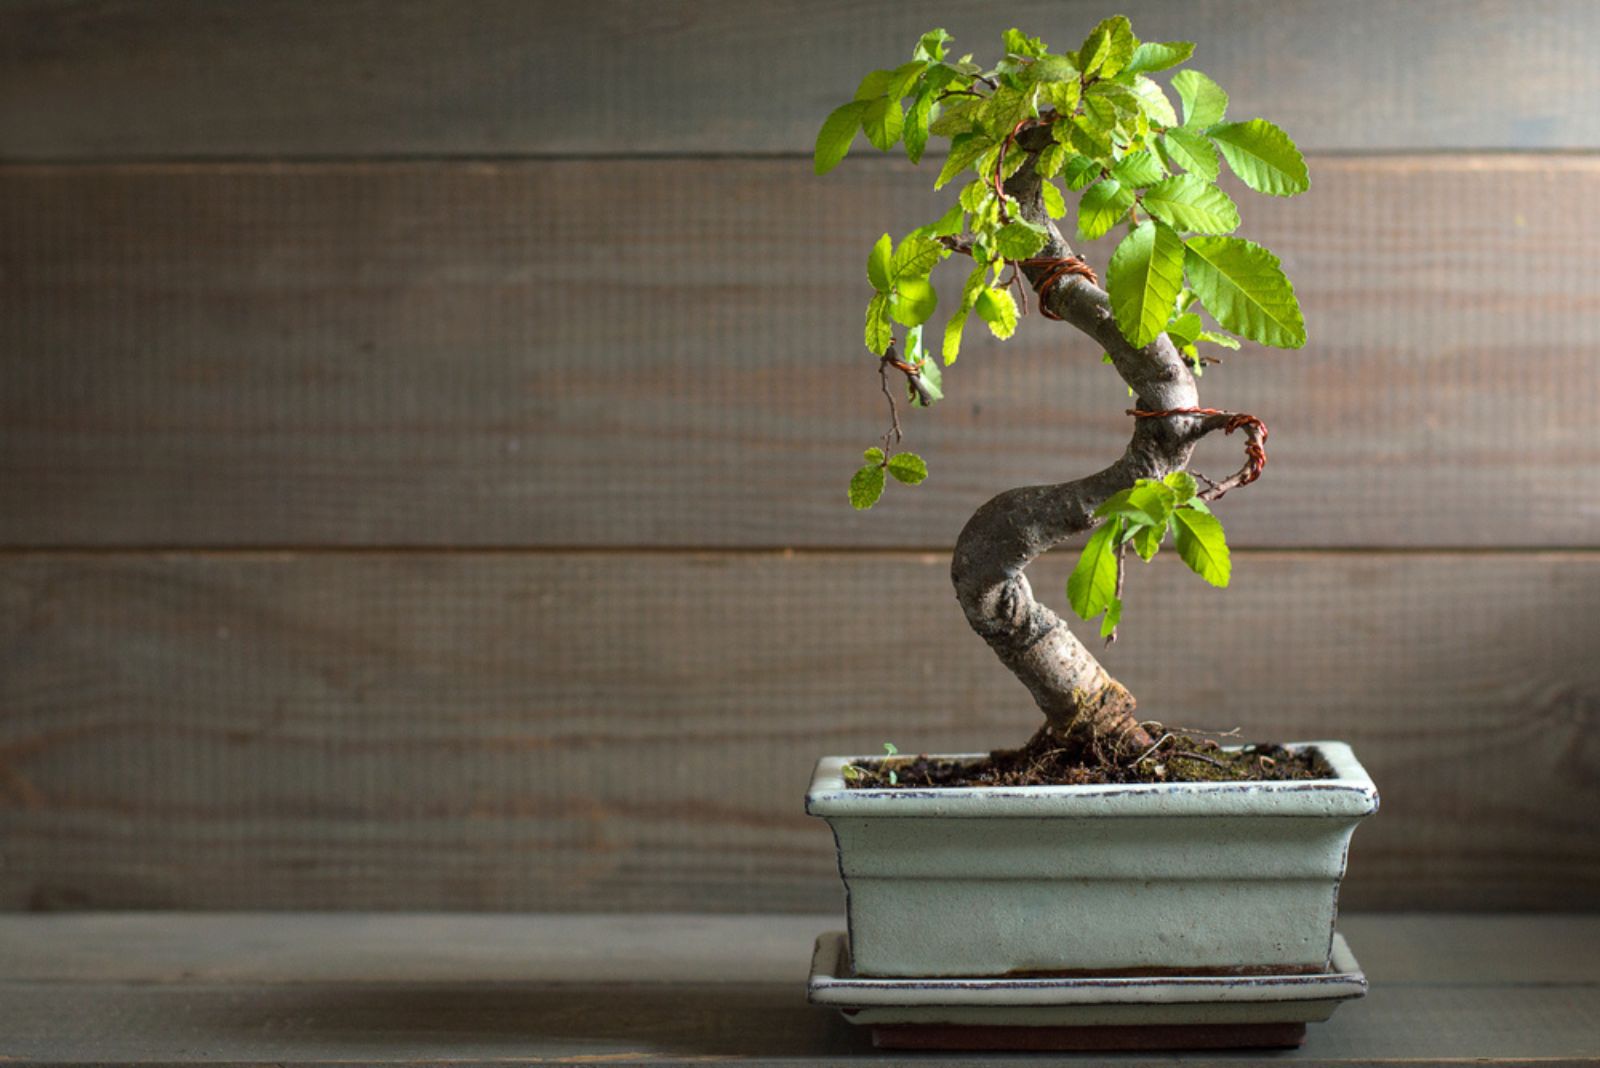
[[1351, 793]]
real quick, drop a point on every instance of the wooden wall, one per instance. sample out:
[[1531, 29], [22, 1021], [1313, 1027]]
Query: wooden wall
[[424, 426]]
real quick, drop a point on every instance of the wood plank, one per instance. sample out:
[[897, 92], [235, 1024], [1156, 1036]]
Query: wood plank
[[634, 731], [273, 78], [1445, 990], [764, 1023], [430, 947], [654, 353]]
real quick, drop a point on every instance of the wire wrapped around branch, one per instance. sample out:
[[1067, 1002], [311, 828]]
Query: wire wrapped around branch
[[1056, 268], [1255, 442]]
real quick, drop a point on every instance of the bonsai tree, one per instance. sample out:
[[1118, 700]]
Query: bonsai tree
[[1024, 136]]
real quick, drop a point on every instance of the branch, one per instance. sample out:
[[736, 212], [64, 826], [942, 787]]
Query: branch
[[1007, 533], [1255, 444]]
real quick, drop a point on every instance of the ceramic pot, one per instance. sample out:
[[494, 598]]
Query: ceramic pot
[[1203, 878]]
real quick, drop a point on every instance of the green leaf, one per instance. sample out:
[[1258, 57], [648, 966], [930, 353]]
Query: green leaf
[[1048, 163], [908, 467], [1154, 101], [874, 85], [1124, 101], [914, 301], [873, 455], [1147, 541], [916, 126], [1020, 44], [914, 353], [1099, 115], [955, 118], [1138, 169], [1117, 503], [1108, 48], [996, 308], [1144, 278], [1020, 239], [951, 348], [951, 222], [1080, 171], [1156, 55], [931, 45], [1192, 152], [1182, 485], [1089, 135], [880, 331], [1263, 157], [905, 76], [1091, 55], [1211, 337], [1063, 96], [930, 377], [977, 197], [878, 264], [915, 257], [1093, 583], [866, 486], [1101, 207], [1245, 290], [1144, 502], [1004, 109], [1183, 329], [964, 151], [1108, 625], [1188, 202], [883, 121], [1154, 499], [838, 130], [1055, 205], [1202, 545], [1052, 69], [1204, 102]]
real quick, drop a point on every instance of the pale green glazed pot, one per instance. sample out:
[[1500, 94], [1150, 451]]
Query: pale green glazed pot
[[1180, 877]]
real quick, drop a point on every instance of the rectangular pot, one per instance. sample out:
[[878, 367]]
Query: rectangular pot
[[1176, 878]]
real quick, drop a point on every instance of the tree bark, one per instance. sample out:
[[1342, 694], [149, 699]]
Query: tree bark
[[1080, 701]]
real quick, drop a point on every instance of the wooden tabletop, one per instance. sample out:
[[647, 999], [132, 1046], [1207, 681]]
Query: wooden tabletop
[[352, 988]]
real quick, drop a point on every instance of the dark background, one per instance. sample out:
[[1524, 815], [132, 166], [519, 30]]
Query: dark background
[[424, 429]]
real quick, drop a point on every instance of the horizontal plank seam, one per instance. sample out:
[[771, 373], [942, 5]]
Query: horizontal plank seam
[[403, 158], [234, 982], [69, 552]]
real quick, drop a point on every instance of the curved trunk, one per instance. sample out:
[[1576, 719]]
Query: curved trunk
[[1079, 699]]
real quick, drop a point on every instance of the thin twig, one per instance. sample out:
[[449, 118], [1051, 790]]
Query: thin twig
[[1163, 740], [893, 436], [1122, 553], [1232, 732]]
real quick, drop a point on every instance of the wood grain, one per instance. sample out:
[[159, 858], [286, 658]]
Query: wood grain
[[340, 947], [671, 990], [634, 731], [669, 354], [366, 78]]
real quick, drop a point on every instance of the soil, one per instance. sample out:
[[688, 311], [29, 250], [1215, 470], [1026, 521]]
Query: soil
[[1047, 761]]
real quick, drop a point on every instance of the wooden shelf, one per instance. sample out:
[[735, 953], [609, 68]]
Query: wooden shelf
[[363, 988]]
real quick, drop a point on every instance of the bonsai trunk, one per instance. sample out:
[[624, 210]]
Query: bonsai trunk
[[1080, 701]]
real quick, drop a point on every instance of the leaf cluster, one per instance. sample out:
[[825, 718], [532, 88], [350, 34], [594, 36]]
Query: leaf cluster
[[1117, 142], [1142, 516], [866, 485], [1129, 156]]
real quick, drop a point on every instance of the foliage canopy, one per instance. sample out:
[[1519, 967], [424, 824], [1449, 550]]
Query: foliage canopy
[[1130, 158]]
